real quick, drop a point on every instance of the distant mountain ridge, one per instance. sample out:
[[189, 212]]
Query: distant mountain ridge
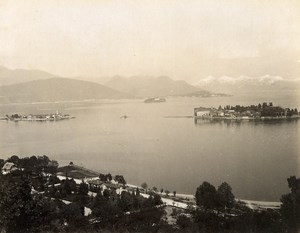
[[9, 76], [21, 85], [162, 86], [246, 84], [57, 89]]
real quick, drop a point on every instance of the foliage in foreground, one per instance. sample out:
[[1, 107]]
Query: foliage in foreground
[[24, 210]]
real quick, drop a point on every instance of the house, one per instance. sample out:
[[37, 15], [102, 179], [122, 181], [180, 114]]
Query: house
[[111, 186], [8, 167], [95, 183]]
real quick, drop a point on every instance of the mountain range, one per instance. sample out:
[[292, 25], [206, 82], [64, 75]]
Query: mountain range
[[8, 76], [57, 89], [143, 87], [247, 84], [26, 86]]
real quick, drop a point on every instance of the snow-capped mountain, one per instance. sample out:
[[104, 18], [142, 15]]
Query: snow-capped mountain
[[232, 85]]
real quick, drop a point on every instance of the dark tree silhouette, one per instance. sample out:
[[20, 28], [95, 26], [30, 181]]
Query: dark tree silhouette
[[167, 192], [108, 177], [206, 196], [137, 192], [21, 211], [290, 208], [144, 186], [225, 196], [120, 179], [14, 159], [102, 177], [154, 189], [83, 189]]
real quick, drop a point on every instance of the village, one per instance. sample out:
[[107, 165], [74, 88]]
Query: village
[[37, 117], [113, 184], [80, 198], [262, 111]]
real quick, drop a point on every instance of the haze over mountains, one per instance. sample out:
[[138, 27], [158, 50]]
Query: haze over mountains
[[20, 86], [26, 86], [8, 76], [140, 86], [246, 84], [57, 89]]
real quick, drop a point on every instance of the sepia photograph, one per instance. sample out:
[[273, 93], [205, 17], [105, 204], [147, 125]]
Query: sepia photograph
[[139, 116]]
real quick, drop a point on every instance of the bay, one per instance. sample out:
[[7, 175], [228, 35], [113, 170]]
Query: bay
[[161, 144]]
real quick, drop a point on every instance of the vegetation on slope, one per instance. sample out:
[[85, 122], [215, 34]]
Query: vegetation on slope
[[34, 199]]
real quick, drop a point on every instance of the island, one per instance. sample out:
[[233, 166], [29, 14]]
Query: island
[[155, 100], [265, 111], [37, 117]]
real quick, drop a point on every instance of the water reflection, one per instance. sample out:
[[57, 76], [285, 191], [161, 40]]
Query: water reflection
[[241, 122]]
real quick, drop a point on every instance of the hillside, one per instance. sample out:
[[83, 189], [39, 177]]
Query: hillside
[[57, 89], [148, 87], [9, 77], [77, 172]]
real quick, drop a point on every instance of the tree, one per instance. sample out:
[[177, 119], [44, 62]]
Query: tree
[[102, 177], [290, 208], [206, 196], [144, 186], [174, 193], [225, 196], [137, 191], [157, 199], [108, 177], [21, 211], [106, 194], [120, 179], [74, 214], [51, 167], [167, 192], [33, 162], [183, 222], [73, 186], [14, 159], [65, 187], [83, 189], [104, 208], [161, 190], [1, 163], [126, 201], [154, 189]]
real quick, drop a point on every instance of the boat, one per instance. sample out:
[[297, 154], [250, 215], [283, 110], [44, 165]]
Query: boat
[[155, 100]]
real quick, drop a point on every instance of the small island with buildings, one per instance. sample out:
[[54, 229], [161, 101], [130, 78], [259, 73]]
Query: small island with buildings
[[37, 117], [264, 111]]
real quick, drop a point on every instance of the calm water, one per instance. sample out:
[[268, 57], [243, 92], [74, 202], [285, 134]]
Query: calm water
[[172, 153]]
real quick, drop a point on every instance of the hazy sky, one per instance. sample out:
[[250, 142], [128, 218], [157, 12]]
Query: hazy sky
[[182, 39]]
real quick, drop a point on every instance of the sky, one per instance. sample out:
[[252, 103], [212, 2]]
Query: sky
[[187, 40]]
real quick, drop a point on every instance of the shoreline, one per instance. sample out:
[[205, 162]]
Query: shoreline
[[252, 204]]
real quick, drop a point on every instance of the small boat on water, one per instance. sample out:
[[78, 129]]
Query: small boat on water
[[155, 100]]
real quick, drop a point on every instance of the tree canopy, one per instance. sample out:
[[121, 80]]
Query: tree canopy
[[225, 196], [206, 196], [290, 208]]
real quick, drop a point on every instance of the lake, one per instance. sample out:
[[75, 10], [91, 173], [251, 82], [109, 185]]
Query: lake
[[160, 145]]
